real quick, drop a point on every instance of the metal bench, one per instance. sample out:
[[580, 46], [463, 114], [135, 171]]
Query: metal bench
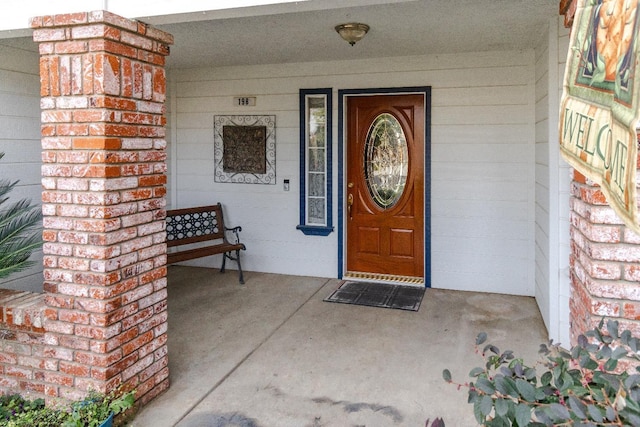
[[203, 228]]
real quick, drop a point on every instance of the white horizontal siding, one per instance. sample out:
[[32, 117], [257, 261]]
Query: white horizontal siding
[[552, 187], [482, 161], [20, 141], [544, 253], [565, 173]]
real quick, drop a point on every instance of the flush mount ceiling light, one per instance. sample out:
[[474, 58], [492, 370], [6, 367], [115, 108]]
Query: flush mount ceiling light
[[352, 32]]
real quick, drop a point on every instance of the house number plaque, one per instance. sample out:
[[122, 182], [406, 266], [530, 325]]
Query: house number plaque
[[244, 101]]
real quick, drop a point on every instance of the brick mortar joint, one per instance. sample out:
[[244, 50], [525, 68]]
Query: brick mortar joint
[[26, 313], [622, 243], [87, 19]]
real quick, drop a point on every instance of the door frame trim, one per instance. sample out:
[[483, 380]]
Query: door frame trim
[[343, 94]]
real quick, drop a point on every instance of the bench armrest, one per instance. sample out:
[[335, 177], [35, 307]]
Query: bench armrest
[[235, 231]]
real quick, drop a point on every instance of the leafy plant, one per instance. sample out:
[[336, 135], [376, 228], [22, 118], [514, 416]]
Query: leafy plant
[[96, 408], [18, 231], [15, 411], [585, 386]]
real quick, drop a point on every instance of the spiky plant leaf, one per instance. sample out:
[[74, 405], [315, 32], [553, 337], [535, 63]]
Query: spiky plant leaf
[[19, 231]]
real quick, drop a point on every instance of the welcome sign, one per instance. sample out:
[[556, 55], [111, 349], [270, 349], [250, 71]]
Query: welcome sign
[[599, 109]]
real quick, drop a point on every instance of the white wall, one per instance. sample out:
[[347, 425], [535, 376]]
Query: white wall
[[565, 176], [552, 187], [482, 161], [545, 255], [20, 141]]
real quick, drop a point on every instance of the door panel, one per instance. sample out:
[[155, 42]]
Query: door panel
[[385, 214]]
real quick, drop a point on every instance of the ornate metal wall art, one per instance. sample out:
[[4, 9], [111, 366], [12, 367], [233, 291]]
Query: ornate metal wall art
[[245, 149]]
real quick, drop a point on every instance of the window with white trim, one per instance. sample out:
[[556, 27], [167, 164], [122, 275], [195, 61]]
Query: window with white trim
[[315, 162]]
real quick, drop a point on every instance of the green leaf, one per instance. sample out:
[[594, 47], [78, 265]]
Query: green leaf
[[580, 391], [625, 337], [530, 374], [526, 390], [446, 375], [502, 407], [611, 364], [477, 412], [633, 419], [473, 396], [563, 380], [506, 386], [481, 338], [564, 354], [610, 413], [506, 371], [604, 353], [546, 378], [492, 348], [595, 413], [475, 372], [543, 392], [523, 414], [486, 405], [619, 353], [632, 381], [578, 408], [612, 328], [582, 341], [500, 384], [485, 385], [542, 417], [575, 352], [560, 412], [587, 362], [518, 369], [633, 401]]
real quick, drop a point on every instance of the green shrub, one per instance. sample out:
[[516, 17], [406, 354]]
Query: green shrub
[[97, 407], [15, 411], [585, 386]]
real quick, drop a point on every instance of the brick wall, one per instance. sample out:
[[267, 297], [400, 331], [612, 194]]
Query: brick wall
[[102, 320], [605, 255], [605, 262]]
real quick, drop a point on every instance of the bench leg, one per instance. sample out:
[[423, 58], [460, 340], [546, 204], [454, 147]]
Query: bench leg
[[239, 266], [236, 259], [224, 262]]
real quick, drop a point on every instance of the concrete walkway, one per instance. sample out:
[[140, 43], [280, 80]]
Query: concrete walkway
[[271, 353]]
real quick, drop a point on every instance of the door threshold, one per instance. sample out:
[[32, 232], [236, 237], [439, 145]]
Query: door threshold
[[384, 278]]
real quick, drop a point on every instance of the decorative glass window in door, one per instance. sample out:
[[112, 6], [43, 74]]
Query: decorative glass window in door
[[315, 162], [386, 160]]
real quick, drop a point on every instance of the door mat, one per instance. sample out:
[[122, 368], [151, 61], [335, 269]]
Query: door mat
[[378, 295]]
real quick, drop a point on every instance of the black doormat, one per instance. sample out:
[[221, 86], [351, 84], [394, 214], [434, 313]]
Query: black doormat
[[378, 295]]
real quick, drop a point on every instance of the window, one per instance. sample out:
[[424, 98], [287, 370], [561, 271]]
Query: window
[[315, 162]]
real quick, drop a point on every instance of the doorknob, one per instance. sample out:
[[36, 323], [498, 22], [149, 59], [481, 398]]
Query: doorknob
[[349, 204]]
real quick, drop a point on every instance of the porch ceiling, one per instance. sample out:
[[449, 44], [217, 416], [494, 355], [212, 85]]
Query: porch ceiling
[[304, 31]]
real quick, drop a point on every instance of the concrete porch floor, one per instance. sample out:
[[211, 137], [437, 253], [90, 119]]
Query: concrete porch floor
[[271, 353]]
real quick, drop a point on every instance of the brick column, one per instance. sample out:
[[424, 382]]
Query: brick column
[[605, 262], [605, 255], [103, 176]]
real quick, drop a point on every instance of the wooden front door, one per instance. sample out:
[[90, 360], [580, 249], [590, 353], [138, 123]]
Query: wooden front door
[[385, 186]]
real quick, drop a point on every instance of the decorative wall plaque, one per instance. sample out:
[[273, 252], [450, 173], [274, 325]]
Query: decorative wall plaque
[[245, 149]]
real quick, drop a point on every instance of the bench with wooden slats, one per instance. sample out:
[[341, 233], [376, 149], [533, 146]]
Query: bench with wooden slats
[[203, 228]]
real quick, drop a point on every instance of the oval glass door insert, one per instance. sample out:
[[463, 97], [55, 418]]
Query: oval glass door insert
[[386, 160]]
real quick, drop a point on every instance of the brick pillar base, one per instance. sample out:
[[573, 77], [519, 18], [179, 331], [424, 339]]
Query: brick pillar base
[[103, 176], [605, 262]]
